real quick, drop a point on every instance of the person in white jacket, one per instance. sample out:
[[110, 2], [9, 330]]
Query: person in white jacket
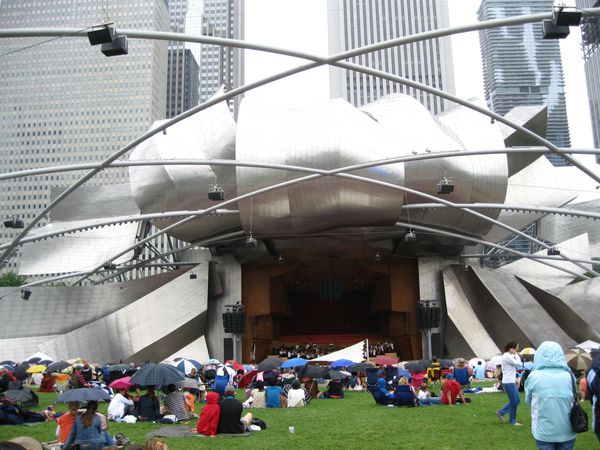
[[119, 405], [510, 362]]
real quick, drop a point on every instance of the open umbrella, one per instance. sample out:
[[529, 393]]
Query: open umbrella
[[269, 364], [36, 357], [414, 367], [473, 361], [294, 362], [311, 371], [247, 378], [529, 351], [342, 363], [58, 366], [425, 362], [38, 368], [17, 395], [21, 371], [213, 361], [337, 375], [117, 367], [8, 362], [359, 367], [404, 373], [122, 383], [154, 374], [188, 383], [578, 359], [496, 360], [186, 365], [83, 395], [233, 363], [382, 360]]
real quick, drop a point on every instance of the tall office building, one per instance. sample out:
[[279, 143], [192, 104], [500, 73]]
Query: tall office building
[[590, 37], [63, 102], [520, 68], [183, 69], [222, 65], [356, 23]]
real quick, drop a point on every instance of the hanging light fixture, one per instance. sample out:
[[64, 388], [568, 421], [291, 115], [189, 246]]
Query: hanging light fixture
[[410, 236], [377, 257], [445, 186], [215, 192]]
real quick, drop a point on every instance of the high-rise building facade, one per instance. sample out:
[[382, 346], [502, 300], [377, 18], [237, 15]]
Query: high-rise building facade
[[183, 70], [520, 68], [590, 34], [63, 102], [356, 23], [221, 65]]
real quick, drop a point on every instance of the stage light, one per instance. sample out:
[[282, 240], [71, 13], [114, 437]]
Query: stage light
[[464, 268], [25, 294], [109, 266], [445, 186], [410, 236], [251, 241], [554, 251], [216, 193], [280, 260], [193, 276], [377, 257]]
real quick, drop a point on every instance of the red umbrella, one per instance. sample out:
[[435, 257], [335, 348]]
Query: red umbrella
[[122, 383], [247, 378], [382, 360], [236, 365]]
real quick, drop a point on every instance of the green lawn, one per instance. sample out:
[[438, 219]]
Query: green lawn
[[353, 423]]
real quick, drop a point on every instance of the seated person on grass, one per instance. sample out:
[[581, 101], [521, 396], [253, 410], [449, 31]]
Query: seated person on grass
[[231, 420], [175, 404], [334, 389], [426, 397], [208, 424], [383, 385], [148, 406], [273, 393], [452, 391]]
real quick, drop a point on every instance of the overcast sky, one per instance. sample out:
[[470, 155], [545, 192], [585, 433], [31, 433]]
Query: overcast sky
[[302, 25]]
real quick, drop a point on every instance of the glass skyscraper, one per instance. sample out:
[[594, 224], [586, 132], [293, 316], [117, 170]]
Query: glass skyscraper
[[520, 68], [63, 102], [356, 23], [590, 31]]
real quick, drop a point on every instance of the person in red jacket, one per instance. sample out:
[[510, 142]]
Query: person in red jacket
[[452, 391], [209, 416]]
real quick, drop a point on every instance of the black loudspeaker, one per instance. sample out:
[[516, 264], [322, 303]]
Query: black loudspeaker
[[436, 344], [551, 31], [227, 349], [234, 322], [429, 317], [102, 35], [116, 47]]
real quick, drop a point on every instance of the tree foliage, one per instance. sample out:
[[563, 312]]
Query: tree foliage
[[11, 279]]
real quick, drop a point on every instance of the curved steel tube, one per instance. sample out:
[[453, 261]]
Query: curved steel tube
[[320, 61]]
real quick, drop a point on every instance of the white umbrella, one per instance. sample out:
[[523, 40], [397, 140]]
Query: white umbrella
[[473, 361], [588, 345]]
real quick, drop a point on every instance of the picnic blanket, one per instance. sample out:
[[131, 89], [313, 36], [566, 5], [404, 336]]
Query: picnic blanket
[[184, 430]]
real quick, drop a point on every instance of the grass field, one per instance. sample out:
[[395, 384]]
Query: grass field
[[354, 422]]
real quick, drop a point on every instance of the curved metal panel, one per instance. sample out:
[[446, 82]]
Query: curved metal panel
[[209, 134], [329, 135]]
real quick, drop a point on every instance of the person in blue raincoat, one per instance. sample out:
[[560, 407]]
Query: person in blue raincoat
[[593, 382], [549, 391]]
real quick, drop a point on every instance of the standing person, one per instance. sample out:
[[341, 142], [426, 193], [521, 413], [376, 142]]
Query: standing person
[[593, 382], [231, 420], [510, 362], [550, 391]]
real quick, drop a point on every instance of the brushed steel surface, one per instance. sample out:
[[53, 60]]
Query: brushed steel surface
[[465, 320], [209, 134], [153, 320]]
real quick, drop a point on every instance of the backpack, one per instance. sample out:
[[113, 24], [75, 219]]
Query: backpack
[[261, 423]]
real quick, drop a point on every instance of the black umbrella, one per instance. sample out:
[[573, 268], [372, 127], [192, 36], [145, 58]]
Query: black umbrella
[[34, 360], [17, 396], [359, 367], [269, 364], [58, 366], [446, 362], [8, 362], [21, 371], [311, 371], [337, 375], [415, 367], [153, 374], [115, 367], [83, 395], [425, 362]]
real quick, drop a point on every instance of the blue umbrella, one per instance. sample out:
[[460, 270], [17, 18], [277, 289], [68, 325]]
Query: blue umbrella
[[342, 363], [294, 362], [153, 374], [186, 365], [404, 373], [83, 395], [213, 361]]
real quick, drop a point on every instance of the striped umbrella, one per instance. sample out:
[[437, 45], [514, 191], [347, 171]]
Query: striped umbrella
[[186, 365], [578, 359]]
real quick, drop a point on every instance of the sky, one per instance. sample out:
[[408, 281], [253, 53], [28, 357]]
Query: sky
[[302, 25]]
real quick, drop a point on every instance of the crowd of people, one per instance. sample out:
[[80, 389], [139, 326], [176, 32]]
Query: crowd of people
[[549, 387]]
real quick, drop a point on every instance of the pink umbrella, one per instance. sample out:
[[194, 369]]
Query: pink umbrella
[[382, 360], [122, 383]]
